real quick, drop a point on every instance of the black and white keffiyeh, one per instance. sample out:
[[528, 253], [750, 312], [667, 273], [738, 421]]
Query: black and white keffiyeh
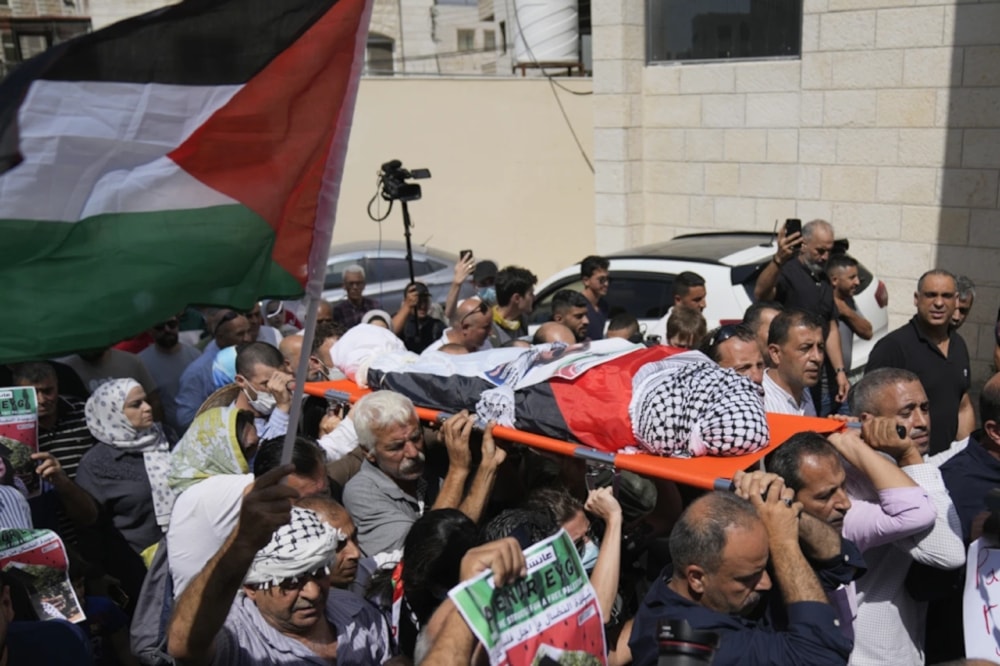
[[303, 546], [686, 406]]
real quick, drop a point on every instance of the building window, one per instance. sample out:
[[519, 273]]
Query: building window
[[466, 40], [378, 55], [489, 40], [723, 29]]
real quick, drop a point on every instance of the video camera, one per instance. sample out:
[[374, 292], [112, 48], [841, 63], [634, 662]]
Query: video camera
[[680, 645], [393, 179]]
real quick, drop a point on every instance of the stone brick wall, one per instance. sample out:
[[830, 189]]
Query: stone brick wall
[[888, 126]]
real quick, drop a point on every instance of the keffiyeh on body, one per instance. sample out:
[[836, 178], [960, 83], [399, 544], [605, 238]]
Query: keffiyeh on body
[[208, 448], [106, 420], [686, 406], [303, 546]]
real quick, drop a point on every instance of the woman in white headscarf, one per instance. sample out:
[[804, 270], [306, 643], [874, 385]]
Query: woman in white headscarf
[[126, 471]]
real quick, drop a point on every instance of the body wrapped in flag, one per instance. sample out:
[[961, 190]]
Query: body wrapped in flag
[[610, 395]]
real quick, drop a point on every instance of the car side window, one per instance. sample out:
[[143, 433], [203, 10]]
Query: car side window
[[645, 297], [386, 269], [542, 311]]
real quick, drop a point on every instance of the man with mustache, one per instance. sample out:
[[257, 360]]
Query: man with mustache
[[795, 346], [929, 346], [265, 596], [394, 487], [890, 622]]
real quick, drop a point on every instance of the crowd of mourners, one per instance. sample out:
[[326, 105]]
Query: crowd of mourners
[[159, 466]]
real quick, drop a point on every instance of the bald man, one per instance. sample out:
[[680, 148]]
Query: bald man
[[553, 331], [471, 323]]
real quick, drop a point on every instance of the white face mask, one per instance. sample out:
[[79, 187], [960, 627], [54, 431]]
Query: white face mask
[[589, 557], [264, 404]]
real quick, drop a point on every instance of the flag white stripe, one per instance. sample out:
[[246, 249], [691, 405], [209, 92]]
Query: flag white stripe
[[96, 147]]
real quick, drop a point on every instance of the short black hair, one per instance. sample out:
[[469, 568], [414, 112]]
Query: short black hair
[[752, 315], [253, 353], [685, 280], [623, 321], [593, 263], [526, 526], [838, 261], [326, 330], [513, 280], [32, 372], [786, 460], [789, 319], [307, 456], [564, 299]]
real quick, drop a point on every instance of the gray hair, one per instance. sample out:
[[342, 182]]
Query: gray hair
[[377, 411], [864, 395], [809, 228], [965, 286], [353, 268], [699, 537]]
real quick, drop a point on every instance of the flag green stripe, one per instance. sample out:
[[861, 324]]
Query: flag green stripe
[[71, 286]]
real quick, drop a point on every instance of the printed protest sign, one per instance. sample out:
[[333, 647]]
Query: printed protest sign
[[36, 561], [19, 436], [550, 617]]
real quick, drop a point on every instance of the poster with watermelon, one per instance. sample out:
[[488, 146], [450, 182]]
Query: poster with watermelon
[[36, 561], [548, 618], [19, 437]]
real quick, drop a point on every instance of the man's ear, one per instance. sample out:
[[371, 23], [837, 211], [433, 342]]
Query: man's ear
[[865, 417], [250, 592], [992, 429], [241, 381], [370, 456], [774, 353], [916, 298], [695, 577]]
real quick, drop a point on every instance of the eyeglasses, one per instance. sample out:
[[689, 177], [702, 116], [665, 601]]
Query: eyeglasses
[[722, 334], [482, 309], [604, 279], [170, 323], [298, 582]]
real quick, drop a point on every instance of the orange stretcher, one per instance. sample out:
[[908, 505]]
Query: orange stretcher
[[702, 472]]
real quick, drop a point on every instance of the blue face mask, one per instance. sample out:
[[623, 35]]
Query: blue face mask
[[488, 295], [589, 557]]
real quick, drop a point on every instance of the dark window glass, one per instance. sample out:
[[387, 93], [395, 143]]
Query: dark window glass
[[643, 295], [378, 55], [385, 269], [723, 29]]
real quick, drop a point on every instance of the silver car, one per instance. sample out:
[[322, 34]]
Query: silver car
[[642, 283], [387, 273]]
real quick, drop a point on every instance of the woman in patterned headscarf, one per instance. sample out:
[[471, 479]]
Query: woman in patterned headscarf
[[126, 471]]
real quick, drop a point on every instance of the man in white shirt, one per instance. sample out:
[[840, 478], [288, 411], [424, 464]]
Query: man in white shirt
[[796, 348]]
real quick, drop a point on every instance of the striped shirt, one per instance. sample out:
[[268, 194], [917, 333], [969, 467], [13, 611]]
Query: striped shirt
[[70, 438], [780, 401]]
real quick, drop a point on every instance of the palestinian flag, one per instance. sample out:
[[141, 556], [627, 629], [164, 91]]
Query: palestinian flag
[[189, 155]]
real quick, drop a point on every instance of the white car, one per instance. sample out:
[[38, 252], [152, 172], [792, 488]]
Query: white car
[[642, 283]]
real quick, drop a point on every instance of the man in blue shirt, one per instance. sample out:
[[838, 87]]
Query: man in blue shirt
[[720, 549]]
